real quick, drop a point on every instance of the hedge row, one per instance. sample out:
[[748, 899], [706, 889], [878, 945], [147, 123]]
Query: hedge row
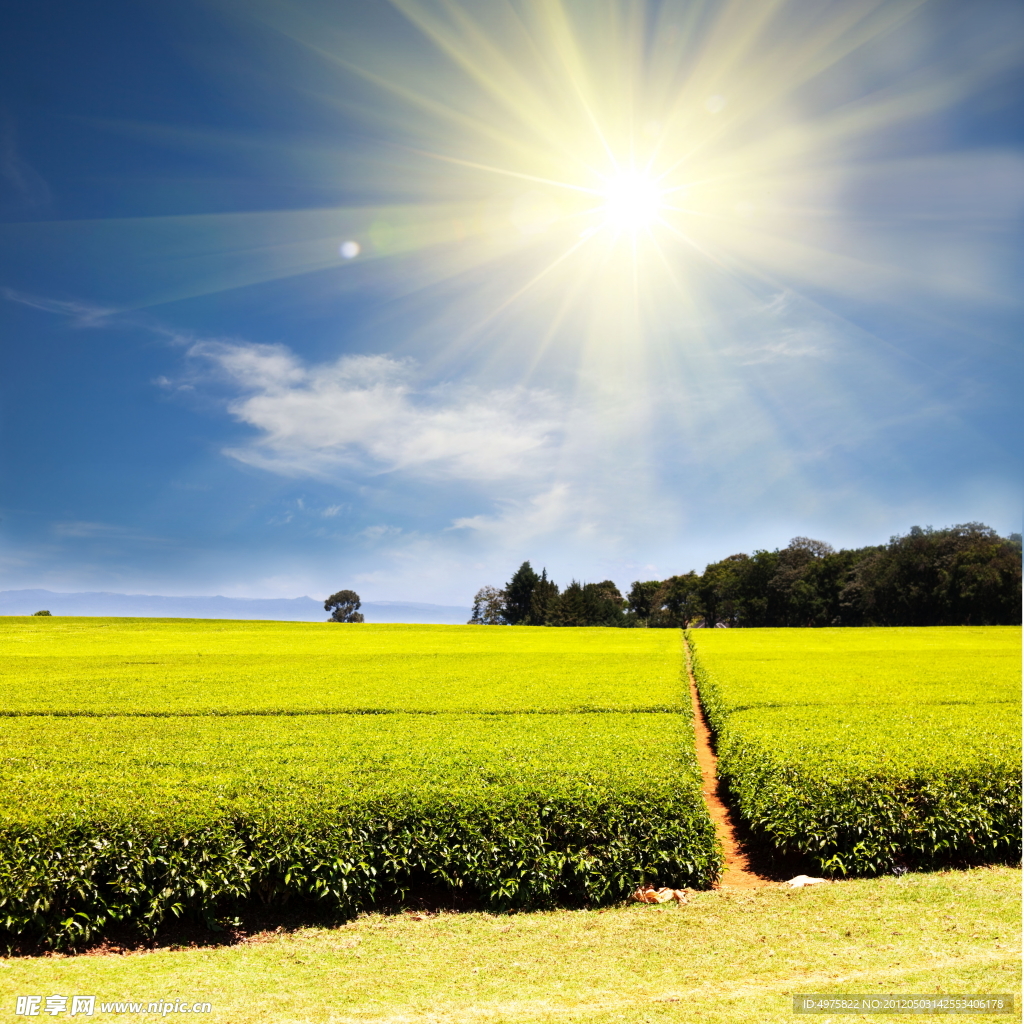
[[899, 666], [860, 789], [866, 792], [203, 818]]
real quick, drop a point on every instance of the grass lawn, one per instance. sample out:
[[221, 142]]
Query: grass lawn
[[730, 957]]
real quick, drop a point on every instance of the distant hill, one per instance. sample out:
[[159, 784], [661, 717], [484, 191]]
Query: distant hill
[[295, 609]]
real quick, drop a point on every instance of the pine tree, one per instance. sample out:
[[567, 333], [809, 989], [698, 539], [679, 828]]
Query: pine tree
[[519, 595], [544, 601]]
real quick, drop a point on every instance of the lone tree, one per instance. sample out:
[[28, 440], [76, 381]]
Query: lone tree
[[344, 607]]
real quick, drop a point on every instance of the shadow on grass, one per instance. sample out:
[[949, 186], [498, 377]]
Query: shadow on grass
[[248, 923]]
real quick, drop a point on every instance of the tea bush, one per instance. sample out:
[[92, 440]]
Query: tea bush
[[870, 750], [203, 666], [138, 820]]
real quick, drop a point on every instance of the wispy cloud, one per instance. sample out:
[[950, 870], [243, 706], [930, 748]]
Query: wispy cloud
[[520, 521], [381, 532], [785, 344], [82, 529], [375, 414], [82, 314], [24, 191]]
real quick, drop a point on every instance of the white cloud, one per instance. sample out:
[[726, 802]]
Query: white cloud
[[786, 344], [372, 413], [380, 532], [521, 521]]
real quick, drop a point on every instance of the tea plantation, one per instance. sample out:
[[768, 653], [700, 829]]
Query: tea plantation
[[161, 769], [870, 750], [158, 769], [202, 666]]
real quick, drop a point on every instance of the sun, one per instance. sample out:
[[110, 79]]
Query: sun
[[632, 201]]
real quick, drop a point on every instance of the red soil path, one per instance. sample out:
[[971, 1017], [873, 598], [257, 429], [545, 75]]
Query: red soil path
[[737, 873]]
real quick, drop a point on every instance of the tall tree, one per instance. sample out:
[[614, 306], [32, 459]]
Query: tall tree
[[606, 605], [543, 601], [571, 607], [641, 594], [720, 588], [519, 595], [589, 604], [795, 597], [961, 575], [676, 602]]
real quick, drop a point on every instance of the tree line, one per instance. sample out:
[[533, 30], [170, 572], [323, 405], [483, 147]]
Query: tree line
[[958, 575]]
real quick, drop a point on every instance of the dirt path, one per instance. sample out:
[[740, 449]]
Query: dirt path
[[737, 873]]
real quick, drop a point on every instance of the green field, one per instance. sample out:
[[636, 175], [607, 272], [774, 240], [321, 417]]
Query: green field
[[155, 769], [197, 768], [164, 788], [757, 668], [202, 666], [869, 750]]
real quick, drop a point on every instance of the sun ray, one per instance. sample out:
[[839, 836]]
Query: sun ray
[[631, 146], [506, 172], [520, 292]]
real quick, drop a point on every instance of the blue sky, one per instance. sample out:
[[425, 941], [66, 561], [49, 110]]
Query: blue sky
[[634, 287]]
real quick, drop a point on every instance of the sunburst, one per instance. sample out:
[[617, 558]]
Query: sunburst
[[573, 162]]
